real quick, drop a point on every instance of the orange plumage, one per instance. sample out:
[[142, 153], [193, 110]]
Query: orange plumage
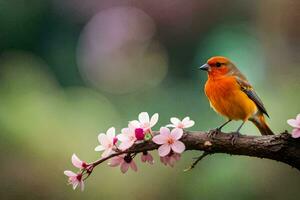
[[231, 95]]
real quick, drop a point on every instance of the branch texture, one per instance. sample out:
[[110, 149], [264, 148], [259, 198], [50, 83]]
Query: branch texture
[[280, 147]]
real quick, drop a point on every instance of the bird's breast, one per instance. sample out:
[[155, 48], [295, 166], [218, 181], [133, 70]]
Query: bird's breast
[[228, 99]]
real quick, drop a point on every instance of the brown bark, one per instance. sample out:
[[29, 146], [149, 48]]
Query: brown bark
[[280, 147]]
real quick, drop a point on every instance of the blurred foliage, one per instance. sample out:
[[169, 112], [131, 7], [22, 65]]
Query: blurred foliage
[[50, 107]]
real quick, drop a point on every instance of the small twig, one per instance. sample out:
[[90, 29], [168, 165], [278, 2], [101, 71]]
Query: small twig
[[193, 165]]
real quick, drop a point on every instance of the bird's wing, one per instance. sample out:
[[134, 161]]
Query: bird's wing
[[247, 88]]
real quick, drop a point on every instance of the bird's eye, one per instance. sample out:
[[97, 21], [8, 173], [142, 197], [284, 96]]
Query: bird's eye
[[218, 64]]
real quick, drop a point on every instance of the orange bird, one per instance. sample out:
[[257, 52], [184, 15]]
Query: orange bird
[[231, 95]]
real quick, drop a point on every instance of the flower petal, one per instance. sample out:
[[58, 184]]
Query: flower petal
[[99, 148], [294, 123], [123, 137], [185, 120], [75, 185], [69, 173], [164, 131], [81, 185], [144, 117], [170, 125], [126, 145], [133, 166], [175, 120], [124, 167], [135, 124], [298, 117], [160, 139], [111, 132], [115, 161], [150, 159], [176, 133], [178, 147], [103, 139], [76, 161], [189, 124], [296, 133], [143, 158], [107, 152], [154, 119], [164, 150]]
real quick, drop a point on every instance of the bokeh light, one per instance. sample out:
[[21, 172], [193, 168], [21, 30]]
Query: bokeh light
[[117, 52]]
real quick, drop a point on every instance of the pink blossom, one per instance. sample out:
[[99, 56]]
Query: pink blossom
[[185, 123], [170, 159], [145, 122], [125, 161], [169, 141], [127, 137], [147, 157], [107, 142], [295, 123], [79, 163], [75, 179]]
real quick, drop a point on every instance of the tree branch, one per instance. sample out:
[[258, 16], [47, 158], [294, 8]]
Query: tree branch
[[280, 147]]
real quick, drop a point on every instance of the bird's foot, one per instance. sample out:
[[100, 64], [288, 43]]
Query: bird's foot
[[212, 133], [234, 137]]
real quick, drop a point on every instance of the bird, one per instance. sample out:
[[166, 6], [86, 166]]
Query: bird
[[231, 95]]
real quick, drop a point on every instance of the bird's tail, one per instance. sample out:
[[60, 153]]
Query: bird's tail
[[260, 122]]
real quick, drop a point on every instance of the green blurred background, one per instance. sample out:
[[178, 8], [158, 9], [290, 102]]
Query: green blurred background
[[70, 69]]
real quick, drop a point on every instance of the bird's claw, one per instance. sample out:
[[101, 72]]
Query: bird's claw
[[213, 133], [234, 137]]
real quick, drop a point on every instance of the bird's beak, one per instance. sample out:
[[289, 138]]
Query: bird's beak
[[204, 67]]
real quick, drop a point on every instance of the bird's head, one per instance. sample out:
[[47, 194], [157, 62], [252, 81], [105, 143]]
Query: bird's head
[[218, 66]]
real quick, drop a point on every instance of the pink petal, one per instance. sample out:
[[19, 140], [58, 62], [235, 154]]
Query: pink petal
[[164, 150], [115, 161], [176, 133], [170, 125], [176, 156], [185, 120], [178, 147], [81, 185], [134, 124], [107, 152], [189, 124], [164, 131], [144, 158], [70, 173], [99, 148], [298, 118], [163, 160], [144, 117], [154, 119], [111, 132], [150, 159], [123, 137], [294, 123], [75, 185], [160, 139], [175, 120], [124, 167], [76, 161], [133, 166], [296, 133], [103, 139], [126, 145]]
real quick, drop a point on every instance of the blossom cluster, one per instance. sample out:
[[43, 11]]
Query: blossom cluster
[[295, 123], [114, 146]]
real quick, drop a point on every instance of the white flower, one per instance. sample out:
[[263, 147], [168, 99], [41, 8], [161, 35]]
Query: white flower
[[145, 122], [127, 137], [107, 142], [185, 123]]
